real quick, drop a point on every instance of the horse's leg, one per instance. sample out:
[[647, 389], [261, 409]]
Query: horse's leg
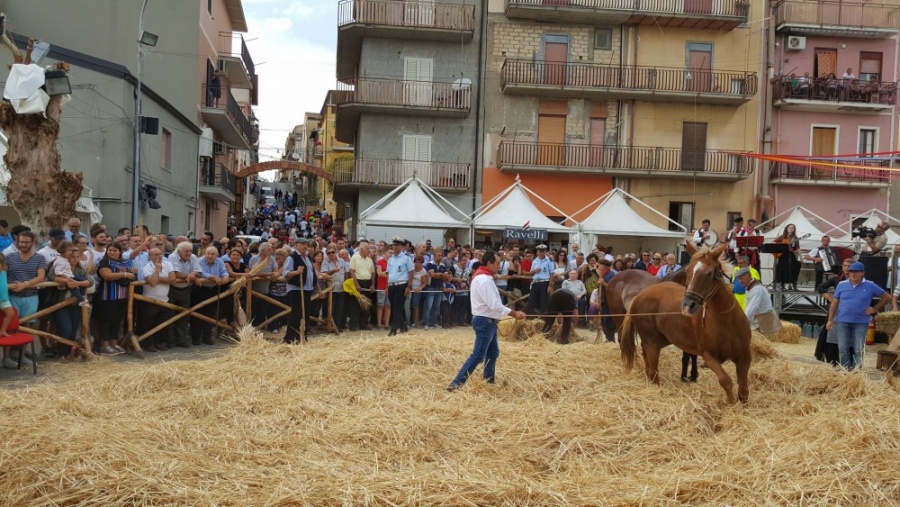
[[548, 323], [651, 357], [724, 380], [743, 369], [685, 359], [566, 327], [694, 373]]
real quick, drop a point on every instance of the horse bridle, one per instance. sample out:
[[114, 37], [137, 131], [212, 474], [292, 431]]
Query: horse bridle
[[701, 300]]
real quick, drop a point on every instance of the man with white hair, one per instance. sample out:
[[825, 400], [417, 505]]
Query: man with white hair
[[185, 267]]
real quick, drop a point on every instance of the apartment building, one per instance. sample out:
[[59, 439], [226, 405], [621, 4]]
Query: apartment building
[[658, 100], [407, 99], [335, 156], [834, 93]]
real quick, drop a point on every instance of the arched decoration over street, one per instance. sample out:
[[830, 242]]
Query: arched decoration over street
[[276, 165]]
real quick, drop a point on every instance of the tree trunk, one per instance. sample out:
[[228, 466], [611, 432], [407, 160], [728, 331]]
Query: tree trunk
[[40, 191]]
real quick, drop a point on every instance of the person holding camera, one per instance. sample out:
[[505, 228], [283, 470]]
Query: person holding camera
[[877, 241]]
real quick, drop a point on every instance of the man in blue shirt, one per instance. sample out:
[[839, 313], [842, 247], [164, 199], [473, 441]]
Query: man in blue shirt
[[433, 297], [6, 238], [212, 269], [539, 296], [851, 311], [399, 268]]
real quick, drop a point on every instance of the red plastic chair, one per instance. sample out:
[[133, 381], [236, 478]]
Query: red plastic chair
[[19, 340]]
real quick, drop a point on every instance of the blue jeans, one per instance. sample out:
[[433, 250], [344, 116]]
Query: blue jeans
[[431, 308], [486, 350], [851, 335]]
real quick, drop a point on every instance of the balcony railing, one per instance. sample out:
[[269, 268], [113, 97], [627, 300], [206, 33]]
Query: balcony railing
[[839, 92], [398, 13], [879, 172], [445, 175], [218, 176], [650, 79], [394, 92], [852, 14], [245, 57], [645, 160], [218, 97], [715, 14]]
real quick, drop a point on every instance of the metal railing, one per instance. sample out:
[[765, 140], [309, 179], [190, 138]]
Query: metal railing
[[407, 14], [218, 176], [638, 158], [836, 90], [216, 96], [736, 8], [245, 57], [846, 14], [394, 172], [397, 92], [528, 72], [879, 172]]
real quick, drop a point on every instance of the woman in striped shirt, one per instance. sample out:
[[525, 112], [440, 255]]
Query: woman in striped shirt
[[111, 298]]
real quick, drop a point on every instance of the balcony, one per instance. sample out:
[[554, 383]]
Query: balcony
[[592, 81], [395, 19], [702, 14], [447, 177], [394, 96], [621, 161], [239, 67], [838, 19], [217, 182], [223, 114], [799, 174], [833, 96]]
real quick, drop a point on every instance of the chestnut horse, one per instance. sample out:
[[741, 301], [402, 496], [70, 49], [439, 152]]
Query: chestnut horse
[[629, 283], [701, 318]]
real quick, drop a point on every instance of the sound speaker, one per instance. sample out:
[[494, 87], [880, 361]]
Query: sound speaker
[[876, 270]]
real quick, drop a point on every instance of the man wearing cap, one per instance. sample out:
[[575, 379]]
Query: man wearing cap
[[540, 282], [301, 277], [731, 237], [400, 273], [851, 311], [738, 288], [758, 299], [876, 245]]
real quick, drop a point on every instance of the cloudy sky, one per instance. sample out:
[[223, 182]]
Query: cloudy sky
[[293, 44]]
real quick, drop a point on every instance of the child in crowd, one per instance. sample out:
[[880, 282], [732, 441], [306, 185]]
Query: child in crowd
[[5, 305], [65, 269]]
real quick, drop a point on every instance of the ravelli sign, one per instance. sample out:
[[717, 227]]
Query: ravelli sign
[[525, 234]]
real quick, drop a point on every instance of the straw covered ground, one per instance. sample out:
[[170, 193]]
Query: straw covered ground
[[368, 421]]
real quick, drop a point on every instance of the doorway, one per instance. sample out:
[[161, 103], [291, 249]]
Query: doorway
[[556, 55], [693, 146], [823, 141]]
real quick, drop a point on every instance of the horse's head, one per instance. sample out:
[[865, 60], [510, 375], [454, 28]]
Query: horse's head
[[704, 276]]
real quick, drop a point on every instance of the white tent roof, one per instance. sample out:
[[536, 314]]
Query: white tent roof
[[614, 217], [798, 215], [415, 204], [875, 218], [513, 208]]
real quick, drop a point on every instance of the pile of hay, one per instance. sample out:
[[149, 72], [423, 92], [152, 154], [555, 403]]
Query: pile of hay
[[790, 333], [513, 330], [346, 421], [887, 323], [761, 347]]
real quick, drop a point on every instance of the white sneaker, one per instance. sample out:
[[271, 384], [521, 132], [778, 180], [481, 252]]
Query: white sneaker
[[10, 364], [119, 349], [26, 362]]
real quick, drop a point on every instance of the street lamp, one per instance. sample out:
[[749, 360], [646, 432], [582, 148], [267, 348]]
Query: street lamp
[[56, 82], [144, 39]]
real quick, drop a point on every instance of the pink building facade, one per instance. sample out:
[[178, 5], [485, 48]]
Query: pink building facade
[[834, 96]]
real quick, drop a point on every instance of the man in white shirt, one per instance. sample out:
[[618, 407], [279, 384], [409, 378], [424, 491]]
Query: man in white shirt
[[487, 309], [159, 274], [49, 251]]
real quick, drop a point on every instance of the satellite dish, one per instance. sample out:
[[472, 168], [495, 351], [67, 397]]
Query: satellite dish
[[462, 83]]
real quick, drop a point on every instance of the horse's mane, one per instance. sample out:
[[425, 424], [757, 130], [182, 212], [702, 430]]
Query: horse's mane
[[726, 267]]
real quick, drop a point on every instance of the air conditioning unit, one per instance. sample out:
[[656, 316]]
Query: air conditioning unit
[[795, 43], [220, 65], [218, 147]]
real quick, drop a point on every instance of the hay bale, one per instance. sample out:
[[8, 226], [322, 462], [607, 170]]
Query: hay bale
[[887, 323], [761, 347], [520, 330], [790, 333], [367, 421]]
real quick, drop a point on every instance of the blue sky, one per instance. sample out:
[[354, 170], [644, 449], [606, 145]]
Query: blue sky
[[293, 44]]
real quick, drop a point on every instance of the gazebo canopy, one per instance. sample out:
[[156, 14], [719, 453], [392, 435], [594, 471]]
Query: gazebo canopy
[[615, 217], [802, 219], [413, 204], [514, 208], [875, 217]]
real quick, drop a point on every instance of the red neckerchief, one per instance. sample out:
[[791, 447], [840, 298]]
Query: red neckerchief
[[482, 271]]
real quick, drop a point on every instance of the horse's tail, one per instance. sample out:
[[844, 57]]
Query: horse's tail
[[628, 342], [566, 326]]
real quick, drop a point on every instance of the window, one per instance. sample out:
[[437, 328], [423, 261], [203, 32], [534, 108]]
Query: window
[[868, 139], [869, 66], [163, 224], [603, 38], [417, 158], [729, 218], [165, 156], [683, 213]]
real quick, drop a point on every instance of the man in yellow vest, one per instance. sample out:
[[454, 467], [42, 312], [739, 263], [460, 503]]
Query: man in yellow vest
[[740, 292]]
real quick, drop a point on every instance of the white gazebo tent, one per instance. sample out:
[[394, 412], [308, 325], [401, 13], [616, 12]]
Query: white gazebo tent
[[807, 224], [412, 207], [514, 208], [614, 218]]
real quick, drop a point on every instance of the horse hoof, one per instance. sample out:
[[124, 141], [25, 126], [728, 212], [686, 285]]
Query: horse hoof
[[694, 380], [684, 379]]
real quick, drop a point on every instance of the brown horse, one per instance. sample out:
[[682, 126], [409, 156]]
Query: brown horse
[[629, 283], [701, 318]]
